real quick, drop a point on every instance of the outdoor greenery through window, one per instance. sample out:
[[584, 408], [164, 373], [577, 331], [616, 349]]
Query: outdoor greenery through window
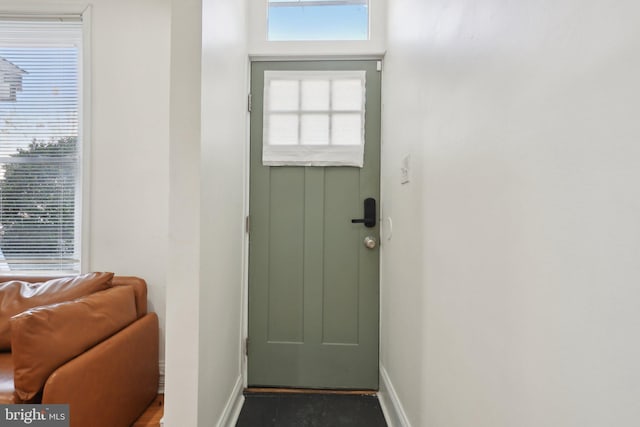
[[40, 145], [318, 20]]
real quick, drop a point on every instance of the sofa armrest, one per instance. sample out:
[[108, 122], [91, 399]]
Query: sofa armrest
[[111, 384]]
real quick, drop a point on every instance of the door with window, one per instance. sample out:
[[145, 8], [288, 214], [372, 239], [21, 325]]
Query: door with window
[[313, 256]]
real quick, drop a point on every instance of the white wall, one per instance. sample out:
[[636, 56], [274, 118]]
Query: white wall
[[208, 140], [224, 143], [183, 273], [130, 142], [510, 283], [169, 124]]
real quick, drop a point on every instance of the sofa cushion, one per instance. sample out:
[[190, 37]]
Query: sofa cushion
[[139, 288], [17, 296], [44, 338]]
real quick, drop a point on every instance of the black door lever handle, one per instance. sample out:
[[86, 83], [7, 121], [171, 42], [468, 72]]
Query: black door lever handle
[[369, 219]]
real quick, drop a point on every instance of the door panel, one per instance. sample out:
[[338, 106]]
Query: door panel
[[285, 263], [313, 286]]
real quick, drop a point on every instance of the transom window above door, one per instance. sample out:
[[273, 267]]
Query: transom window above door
[[314, 118], [290, 20]]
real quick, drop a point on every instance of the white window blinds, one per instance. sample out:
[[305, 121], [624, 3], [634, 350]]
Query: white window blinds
[[40, 144], [314, 118]]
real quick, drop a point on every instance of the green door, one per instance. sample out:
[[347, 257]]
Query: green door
[[313, 284]]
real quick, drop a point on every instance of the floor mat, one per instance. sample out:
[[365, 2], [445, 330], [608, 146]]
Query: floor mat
[[310, 410]]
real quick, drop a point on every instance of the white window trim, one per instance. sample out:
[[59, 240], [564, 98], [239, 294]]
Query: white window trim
[[45, 9], [86, 133]]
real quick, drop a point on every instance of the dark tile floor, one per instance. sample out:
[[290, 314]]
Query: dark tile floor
[[310, 410]]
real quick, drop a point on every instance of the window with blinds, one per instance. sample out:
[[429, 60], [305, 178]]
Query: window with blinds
[[290, 20], [40, 144]]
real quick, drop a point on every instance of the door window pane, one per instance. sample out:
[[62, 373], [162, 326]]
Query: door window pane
[[315, 129], [315, 95], [347, 95], [346, 129], [283, 129], [284, 95]]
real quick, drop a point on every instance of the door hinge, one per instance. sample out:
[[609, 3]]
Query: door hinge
[[246, 346], [379, 66], [247, 224], [249, 103]]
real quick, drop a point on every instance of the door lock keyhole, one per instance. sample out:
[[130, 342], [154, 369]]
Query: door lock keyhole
[[370, 242]]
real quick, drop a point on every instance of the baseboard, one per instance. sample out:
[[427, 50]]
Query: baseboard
[[232, 409], [390, 403]]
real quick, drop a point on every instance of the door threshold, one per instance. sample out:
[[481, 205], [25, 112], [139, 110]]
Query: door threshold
[[274, 390]]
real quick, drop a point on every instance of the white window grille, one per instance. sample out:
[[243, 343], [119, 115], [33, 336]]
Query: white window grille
[[314, 118]]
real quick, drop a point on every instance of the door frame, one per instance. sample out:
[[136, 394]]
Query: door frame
[[246, 208]]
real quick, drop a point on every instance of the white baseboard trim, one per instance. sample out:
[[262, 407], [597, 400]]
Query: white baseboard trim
[[390, 403], [232, 409]]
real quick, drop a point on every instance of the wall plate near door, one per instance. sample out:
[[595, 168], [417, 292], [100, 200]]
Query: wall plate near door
[[386, 229], [404, 169]]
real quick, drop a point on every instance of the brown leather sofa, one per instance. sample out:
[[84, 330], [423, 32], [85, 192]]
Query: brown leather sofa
[[86, 341]]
